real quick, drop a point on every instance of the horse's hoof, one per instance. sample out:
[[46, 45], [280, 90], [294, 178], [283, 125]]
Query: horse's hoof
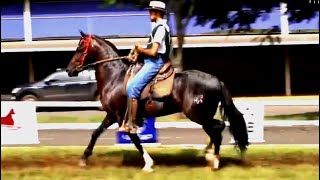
[[216, 163], [82, 163], [213, 161], [147, 170]]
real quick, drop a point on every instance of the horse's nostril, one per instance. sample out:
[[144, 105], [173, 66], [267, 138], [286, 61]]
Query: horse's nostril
[[67, 70]]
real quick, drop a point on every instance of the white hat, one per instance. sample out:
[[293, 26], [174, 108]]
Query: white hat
[[157, 5]]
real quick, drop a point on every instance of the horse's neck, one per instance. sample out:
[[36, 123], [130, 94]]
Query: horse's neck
[[109, 72]]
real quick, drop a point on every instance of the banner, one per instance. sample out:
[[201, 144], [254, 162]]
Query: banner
[[147, 133], [18, 123]]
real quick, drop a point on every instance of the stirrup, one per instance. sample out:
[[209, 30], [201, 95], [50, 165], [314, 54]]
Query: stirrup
[[134, 129], [124, 129]]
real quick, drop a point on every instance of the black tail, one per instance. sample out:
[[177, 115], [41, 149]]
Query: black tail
[[229, 112]]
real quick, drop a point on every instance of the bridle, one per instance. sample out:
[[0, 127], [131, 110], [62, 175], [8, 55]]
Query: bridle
[[87, 41], [87, 44]]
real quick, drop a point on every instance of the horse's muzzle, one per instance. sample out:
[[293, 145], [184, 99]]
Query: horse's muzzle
[[72, 73]]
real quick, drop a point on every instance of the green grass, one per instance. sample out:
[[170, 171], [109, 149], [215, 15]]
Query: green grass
[[163, 173], [302, 116], [169, 118], [263, 162]]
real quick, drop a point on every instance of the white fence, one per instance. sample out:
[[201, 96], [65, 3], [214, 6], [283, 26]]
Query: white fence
[[25, 119], [253, 111]]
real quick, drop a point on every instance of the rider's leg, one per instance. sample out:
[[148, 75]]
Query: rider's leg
[[135, 86]]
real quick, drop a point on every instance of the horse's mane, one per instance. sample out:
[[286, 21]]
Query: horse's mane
[[109, 45], [114, 48]]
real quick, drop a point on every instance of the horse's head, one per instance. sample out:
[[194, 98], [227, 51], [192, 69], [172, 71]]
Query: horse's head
[[84, 50]]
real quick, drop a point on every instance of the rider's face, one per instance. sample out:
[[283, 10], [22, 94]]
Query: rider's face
[[153, 15]]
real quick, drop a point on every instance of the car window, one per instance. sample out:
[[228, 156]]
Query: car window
[[83, 76], [92, 75], [89, 74], [63, 77]]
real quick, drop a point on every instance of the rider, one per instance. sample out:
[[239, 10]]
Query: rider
[[157, 52]]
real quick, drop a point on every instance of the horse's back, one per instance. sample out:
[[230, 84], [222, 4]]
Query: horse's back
[[193, 86], [198, 80]]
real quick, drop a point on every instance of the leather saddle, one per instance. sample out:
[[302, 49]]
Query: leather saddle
[[160, 86]]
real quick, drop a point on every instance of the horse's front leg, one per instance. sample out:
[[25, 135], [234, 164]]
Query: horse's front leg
[[146, 157], [107, 122]]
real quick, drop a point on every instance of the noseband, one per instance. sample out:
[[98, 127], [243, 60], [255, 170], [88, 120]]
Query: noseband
[[87, 42]]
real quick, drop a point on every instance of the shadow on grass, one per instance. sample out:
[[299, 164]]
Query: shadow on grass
[[191, 158]]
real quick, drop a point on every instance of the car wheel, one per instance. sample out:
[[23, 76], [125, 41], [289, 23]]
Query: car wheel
[[29, 97]]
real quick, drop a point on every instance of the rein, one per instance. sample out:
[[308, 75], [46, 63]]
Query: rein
[[80, 68], [87, 42]]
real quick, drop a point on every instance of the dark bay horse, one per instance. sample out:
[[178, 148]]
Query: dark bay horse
[[195, 93]]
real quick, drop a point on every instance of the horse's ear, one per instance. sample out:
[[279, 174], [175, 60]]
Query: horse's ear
[[82, 33]]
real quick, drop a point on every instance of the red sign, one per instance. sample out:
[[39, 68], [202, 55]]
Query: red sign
[[8, 121]]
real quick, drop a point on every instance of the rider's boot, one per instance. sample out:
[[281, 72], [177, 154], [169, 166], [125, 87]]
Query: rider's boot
[[129, 124], [134, 109], [126, 120]]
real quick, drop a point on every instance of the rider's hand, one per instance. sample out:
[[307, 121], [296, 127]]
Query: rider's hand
[[133, 57], [137, 47]]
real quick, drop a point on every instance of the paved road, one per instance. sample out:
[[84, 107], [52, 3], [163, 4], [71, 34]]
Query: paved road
[[169, 136]]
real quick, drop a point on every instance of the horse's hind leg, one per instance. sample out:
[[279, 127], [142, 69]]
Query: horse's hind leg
[[147, 159], [214, 129], [107, 122]]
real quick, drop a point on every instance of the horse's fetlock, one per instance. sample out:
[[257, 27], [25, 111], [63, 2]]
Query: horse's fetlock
[[87, 153]]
